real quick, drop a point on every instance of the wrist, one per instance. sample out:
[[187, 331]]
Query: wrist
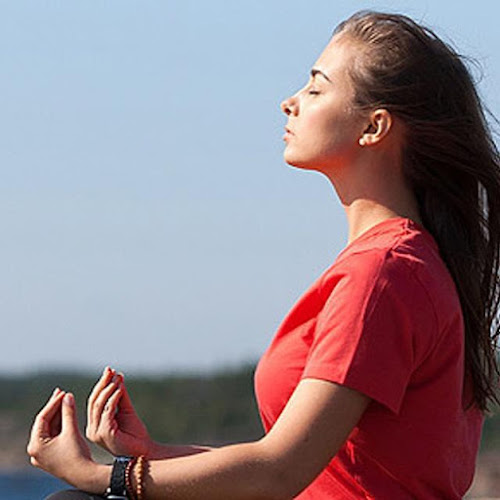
[[156, 451], [148, 448], [97, 479]]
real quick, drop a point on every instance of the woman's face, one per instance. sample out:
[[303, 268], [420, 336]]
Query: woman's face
[[323, 127]]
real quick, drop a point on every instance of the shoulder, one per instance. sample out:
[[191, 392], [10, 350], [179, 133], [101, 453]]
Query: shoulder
[[395, 270], [374, 270], [398, 254]]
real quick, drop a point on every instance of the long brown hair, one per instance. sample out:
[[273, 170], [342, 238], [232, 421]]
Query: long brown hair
[[450, 160]]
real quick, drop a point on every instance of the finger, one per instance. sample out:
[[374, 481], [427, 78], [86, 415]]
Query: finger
[[100, 402], [55, 393], [54, 426], [107, 375], [53, 396], [105, 379], [68, 414], [104, 412], [125, 402], [108, 415], [41, 429], [46, 414]]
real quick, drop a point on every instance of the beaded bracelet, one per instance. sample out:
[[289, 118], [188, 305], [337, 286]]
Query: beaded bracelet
[[128, 479], [141, 462]]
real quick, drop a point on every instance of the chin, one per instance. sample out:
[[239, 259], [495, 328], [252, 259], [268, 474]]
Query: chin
[[294, 161]]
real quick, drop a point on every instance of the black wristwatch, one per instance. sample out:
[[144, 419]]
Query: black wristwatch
[[117, 489]]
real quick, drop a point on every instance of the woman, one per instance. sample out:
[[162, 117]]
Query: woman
[[376, 382]]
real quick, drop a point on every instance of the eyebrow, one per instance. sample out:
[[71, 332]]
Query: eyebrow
[[316, 71]]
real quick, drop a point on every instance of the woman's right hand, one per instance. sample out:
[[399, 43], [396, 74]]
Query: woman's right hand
[[112, 421]]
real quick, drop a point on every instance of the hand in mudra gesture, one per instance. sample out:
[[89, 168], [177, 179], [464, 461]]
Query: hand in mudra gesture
[[56, 445], [112, 421]]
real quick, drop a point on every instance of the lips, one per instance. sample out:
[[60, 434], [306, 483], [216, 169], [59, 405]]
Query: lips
[[288, 133]]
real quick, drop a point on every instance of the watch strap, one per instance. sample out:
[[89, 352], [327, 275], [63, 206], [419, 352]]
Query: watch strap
[[117, 487]]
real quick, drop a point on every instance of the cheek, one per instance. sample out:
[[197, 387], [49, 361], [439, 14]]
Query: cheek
[[328, 133], [323, 139]]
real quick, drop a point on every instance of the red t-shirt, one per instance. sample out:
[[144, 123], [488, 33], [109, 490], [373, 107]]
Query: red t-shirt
[[385, 320]]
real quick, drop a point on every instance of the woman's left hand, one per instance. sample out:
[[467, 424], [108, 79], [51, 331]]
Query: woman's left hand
[[57, 446]]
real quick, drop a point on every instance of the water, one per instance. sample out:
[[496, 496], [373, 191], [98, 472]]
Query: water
[[28, 484]]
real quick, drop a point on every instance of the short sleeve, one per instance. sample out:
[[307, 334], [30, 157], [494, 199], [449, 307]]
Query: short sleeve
[[376, 322]]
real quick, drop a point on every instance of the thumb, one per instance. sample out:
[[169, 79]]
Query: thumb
[[69, 420], [125, 401]]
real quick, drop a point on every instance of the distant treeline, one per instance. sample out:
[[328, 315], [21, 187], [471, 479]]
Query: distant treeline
[[212, 408]]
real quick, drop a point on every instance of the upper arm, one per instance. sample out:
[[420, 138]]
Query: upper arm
[[315, 423]]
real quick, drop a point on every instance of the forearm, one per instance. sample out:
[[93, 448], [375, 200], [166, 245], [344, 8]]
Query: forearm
[[158, 451], [241, 471]]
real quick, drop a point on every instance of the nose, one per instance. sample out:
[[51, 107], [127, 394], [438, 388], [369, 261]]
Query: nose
[[289, 106]]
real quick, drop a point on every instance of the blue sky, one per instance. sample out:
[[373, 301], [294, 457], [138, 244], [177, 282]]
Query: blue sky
[[147, 218]]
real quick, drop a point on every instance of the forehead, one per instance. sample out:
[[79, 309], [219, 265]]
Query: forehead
[[337, 57]]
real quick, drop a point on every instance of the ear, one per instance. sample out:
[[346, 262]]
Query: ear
[[380, 125]]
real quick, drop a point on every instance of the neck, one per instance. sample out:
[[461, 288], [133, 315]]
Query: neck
[[373, 192], [363, 214]]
